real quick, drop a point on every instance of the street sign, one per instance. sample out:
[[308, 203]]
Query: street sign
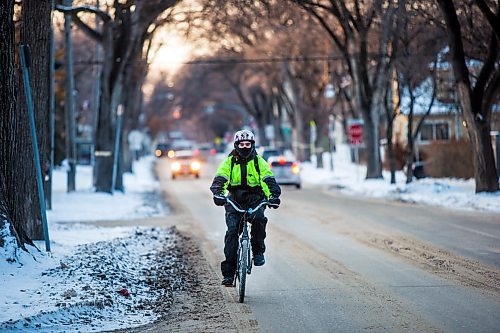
[[269, 132], [355, 132], [135, 140]]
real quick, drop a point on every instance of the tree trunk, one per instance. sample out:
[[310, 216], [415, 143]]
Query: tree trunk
[[115, 54], [318, 144], [105, 129], [370, 115], [485, 173], [477, 116], [409, 138], [390, 151], [8, 140], [34, 32]]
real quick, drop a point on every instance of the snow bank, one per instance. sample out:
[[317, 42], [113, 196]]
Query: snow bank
[[349, 178], [60, 291], [139, 200]]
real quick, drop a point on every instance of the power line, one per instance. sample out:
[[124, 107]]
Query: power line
[[230, 61]]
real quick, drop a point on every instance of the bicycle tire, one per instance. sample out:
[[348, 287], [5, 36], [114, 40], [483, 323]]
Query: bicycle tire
[[242, 270]]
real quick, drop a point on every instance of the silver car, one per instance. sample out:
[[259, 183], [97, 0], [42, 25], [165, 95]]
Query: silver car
[[285, 170]]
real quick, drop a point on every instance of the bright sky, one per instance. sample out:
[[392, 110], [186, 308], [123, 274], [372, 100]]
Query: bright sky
[[171, 50], [174, 50]]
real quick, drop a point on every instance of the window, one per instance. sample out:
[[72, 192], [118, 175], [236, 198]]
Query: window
[[435, 131], [426, 132], [442, 132]]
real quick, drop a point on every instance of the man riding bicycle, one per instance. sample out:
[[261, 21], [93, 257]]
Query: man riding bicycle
[[249, 180]]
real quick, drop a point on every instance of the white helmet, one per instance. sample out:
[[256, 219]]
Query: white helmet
[[244, 135]]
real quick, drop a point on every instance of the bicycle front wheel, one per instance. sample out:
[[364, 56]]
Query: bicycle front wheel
[[242, 269]]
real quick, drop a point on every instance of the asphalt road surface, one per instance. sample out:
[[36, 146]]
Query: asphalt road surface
[[336, 263]]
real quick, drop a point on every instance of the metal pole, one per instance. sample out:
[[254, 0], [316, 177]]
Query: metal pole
[[356, 156], [70, 101], [97, 85], [119, 113], [25, 62], [497, 149]]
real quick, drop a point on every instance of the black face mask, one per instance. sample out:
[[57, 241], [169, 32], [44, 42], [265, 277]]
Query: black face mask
[[244, 152]]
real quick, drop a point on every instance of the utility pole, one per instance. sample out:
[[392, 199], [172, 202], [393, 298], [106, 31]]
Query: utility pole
[[70, 101], [116, 152], [97, 85]]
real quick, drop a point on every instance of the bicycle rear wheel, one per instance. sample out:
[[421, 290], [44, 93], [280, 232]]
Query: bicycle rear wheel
[[242, 269]]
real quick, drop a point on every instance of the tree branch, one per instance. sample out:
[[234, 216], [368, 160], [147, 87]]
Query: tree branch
[[87, 9], [493, 20], [431, 103], [486, 70], [92, 33], [491, 92]]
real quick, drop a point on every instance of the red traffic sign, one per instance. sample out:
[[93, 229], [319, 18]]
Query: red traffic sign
[[355, 132]]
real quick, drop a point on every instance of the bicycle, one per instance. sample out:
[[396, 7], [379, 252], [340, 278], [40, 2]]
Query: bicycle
[[244, 255]]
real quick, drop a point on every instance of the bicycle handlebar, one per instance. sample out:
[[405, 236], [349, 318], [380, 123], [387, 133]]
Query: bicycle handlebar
[[249, 210]]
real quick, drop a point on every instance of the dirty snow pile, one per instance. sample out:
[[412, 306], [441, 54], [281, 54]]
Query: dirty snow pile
[[349, 178], [95, 278]]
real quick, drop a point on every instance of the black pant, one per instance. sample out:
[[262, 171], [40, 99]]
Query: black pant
[[257, 233]]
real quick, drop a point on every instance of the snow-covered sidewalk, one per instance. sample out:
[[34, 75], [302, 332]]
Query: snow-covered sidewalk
[[95, 278], [349, 178]]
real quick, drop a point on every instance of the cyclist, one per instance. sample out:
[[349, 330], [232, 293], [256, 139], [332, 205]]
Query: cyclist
[[249, 180]]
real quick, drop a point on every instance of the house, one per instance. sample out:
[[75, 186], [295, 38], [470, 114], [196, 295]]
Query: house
[[442, 124]]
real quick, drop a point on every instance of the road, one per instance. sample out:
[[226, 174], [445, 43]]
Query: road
[[342, 264]]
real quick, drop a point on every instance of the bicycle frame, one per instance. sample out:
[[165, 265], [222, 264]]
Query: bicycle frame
[[244, 256]]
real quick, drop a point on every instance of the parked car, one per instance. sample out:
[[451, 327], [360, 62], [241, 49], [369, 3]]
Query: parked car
[[267, 152], [286, 170], [185, 163], [204, 151]]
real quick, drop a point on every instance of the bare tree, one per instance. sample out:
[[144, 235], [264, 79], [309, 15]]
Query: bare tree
[[476, 96], [362, 31], [119, 37]]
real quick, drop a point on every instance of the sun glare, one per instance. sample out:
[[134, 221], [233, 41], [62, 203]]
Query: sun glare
[[172, 52]]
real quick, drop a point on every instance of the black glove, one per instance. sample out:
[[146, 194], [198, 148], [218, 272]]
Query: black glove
[[219, 200], [274, 202]]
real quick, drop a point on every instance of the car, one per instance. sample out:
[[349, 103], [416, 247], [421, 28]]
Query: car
[[185, 163], [204, 151], [180, 145], [267, 152], [162, 149], [286, 170]]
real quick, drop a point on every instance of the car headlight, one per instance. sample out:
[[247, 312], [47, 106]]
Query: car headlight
[[171, 153], [176, 166], [158, 152], [195, 166]]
